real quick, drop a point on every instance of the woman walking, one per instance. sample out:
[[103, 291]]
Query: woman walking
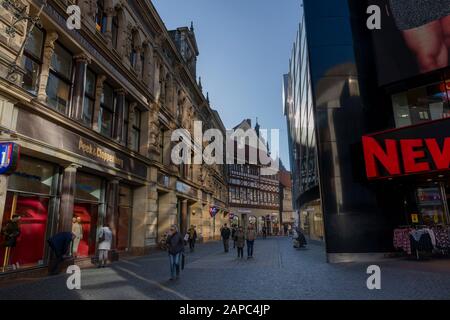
[[240, 242], [175, 246]]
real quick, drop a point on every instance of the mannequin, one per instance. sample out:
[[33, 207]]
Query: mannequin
[[77, 230]]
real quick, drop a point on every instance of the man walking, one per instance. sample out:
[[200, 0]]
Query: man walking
[[175, 246], [192, 238], [60, 245], [233, 235], [240, 242], [225, 233], [251, 236]]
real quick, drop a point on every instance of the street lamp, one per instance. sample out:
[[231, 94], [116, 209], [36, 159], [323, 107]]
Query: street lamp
[[19, 12]]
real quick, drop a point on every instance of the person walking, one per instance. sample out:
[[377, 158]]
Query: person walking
[[61, 245], [264, 232], [104, 246], [251, 236], [225, 233], [233, 235], [240, 242], [175, 246], [192, 238]]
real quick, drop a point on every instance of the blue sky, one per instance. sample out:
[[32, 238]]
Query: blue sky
[[245, 46]]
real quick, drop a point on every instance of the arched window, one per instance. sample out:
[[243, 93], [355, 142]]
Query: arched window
[[100, 17]]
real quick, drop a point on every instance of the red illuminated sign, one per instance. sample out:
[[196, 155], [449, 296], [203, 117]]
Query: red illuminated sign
[[393, 157]]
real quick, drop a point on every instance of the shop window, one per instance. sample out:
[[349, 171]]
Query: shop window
[[29, 247], [100, 17], [30, 192], [431, 207], [136, 130], [421, 104], [106, 115], [32, 176], [89, 98], [59, 81], [32, 60]]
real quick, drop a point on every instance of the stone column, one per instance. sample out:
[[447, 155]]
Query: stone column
[[98, 95], [49, 48], [112, 205], [184, 217], [119, 115], [67, 198], [81, 63]]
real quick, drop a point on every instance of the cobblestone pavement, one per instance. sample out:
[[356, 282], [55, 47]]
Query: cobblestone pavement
[[278, 271]]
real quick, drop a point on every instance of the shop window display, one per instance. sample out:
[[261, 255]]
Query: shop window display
[[422, 104], [26, 216], [28, 247]]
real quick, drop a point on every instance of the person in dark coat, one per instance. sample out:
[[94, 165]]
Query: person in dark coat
[[175, 247], [233, 235], [225, 233], [240, 242], [192, 238], [60, 244], [11, 231]]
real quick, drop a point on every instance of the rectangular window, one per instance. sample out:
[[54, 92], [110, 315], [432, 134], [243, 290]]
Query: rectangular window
[[32, 60], [106, 115], [421, 104], [59, 80], [126, 117], [136, 131], [89, 98]]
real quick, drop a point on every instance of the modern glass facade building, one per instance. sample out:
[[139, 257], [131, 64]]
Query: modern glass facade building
[[368, 117], [298, 108]]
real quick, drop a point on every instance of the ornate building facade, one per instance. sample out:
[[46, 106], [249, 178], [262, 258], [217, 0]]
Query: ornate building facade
[[253, 197], [93, 110]]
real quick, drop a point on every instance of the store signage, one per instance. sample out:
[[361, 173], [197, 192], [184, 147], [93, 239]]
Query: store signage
[[405, 156], [419, 149], [64, 139], [10, 154], [213, 211]]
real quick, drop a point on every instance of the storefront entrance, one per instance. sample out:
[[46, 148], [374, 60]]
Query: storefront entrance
[[88, 207]]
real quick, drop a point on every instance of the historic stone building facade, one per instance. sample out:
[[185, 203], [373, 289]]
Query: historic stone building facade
[[254, 197], [93, 111]]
